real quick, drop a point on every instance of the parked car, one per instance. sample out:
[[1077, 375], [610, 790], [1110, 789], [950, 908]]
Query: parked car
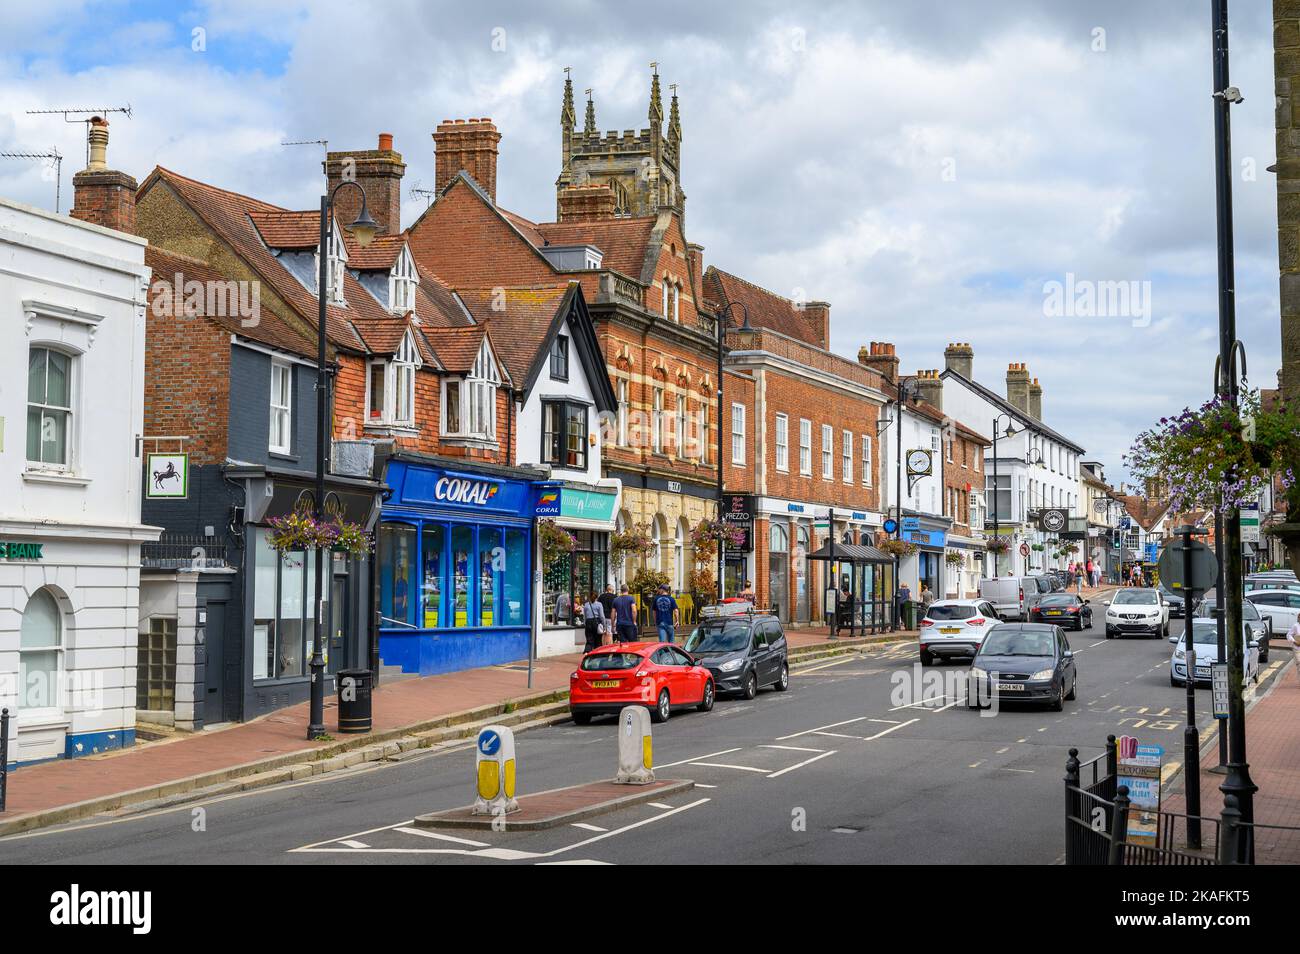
[[1013, 596], [1259, 625], [1064, 609], [1138, 612], [954, 628], [1205, 640], [1177, 607], [659, 676], [1280, 606], [742, 653], [1272, 580], [1029, 662]]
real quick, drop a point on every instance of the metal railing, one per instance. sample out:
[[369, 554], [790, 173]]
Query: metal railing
[[178, 551], [4, 756]]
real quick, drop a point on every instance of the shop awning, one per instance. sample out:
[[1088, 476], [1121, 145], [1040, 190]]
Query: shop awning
[[851, 553]]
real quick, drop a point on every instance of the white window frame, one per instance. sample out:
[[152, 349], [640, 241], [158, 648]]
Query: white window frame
[[866, 459], [38, 714], [677, 302], [478, 404], [337, 266], [683, 423], [805, 447], [782, 443], [828, 452], [281, 374], [738, 435], [72, 410], [398, 382], [402, 280], [846, 456], [665, 283], [657, 421], [622, 411]]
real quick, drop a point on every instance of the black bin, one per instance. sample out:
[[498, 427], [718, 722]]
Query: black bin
[[355, 687]]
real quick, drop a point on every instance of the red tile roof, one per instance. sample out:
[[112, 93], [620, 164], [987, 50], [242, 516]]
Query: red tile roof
[[766, 309], [622, 242], [288, 229], [380, 255], [519, 329]]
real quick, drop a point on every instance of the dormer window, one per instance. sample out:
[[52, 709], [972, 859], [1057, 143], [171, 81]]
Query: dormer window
[[338, 261], [390, 388], [469, 403], [401, 283]]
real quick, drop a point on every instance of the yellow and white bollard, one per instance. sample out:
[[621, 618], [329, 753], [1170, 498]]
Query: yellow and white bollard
[[495, 771], [635, 749]]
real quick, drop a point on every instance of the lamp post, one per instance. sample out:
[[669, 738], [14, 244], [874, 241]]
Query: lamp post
[[997, 520], [722, 318], [363, 229]]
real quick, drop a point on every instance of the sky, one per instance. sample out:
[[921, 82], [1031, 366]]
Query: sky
[[937, 171]]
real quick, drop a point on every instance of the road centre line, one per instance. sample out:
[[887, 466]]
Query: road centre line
[[801, 764]]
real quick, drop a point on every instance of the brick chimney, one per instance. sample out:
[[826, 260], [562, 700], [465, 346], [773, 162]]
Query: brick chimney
[[103, 195], [585, 203], [379, 173], [929, 388], [960, 357], [818, 315], [695, 253], [1018, 385], [880, 357], [468, 144], [1036, 400]]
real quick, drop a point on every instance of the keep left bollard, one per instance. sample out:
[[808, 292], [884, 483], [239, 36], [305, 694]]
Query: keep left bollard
[[635, 749], [495, 771]]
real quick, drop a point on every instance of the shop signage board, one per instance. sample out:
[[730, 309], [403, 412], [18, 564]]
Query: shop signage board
[[1250, 523], [587, 504], [19, 550], [1139, 769], [548, 502], [167, 476], [458, 490], [738, 511]]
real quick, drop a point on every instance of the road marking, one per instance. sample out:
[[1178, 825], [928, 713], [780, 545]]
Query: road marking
[[801, 764], [702, 785], [1098, 643], [1023, 771], [425, 833], [354, 844], [976, 764], [841, 735], [707, 755], [1005, 748], [890, 729], [791, 748], [1022, 740], [740, 768], [659, 805], [833, 725], [929, 701], [837, 662], [587, 826]]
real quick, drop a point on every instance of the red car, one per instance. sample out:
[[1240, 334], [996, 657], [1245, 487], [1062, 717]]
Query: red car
[[660, 676]]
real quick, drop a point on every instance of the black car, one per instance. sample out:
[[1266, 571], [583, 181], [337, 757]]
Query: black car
[[744, 652], [1177, 605], [1024, 662], [1064, 609]]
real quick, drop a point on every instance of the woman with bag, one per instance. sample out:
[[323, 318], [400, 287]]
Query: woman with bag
[[593, 617]]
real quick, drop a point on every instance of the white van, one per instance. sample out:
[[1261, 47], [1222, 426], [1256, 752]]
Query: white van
[[1013, 596]]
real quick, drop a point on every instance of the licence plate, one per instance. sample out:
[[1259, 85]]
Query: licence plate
[[604, 684], [1053, 612], [950, 630], [1011, 687]]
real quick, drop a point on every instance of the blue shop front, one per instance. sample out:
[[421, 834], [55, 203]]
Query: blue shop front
[[455, 554]]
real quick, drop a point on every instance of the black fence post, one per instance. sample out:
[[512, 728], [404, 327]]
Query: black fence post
[[1229, 831], [1118, 827], [1071, 800], [1112, 757], [4, 756]]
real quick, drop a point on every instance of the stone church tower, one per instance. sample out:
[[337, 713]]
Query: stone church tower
[[641, 169]]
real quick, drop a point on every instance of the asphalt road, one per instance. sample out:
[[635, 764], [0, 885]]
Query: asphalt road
[[840, 769]]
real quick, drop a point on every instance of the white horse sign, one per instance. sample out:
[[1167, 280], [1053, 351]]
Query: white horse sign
[[167, 476]]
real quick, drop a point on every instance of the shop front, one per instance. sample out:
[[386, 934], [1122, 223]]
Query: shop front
[[930, 536], [455, 554], [571, 579]]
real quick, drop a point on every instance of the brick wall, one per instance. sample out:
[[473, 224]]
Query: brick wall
[[186, 382]]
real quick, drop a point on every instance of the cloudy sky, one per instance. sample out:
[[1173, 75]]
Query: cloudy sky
[[927, 167]]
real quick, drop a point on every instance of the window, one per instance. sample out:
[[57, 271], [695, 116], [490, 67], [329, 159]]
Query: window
[[560, 358], [866, 458], [948, 449], [683, 422], [40, 653], [335, 267], [622, 412], [657, 422], [401, 283], [704, 433], [738, 434], [281, 408], [677, 302], [846, 456], [805, 446], [564, 434], [569, 580], [155, 666], [782, 442], [469, 406], [664, 285], [828, 451], [49, 407], [390, 387]]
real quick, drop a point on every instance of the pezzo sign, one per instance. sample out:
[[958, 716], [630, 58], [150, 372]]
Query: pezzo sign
[[462, 490]]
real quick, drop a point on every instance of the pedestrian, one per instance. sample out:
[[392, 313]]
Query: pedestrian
[[748, 592], [902, 596], [846, 607], [666, 614], [927, 596], [624, 616], [1087, 568], [607, 601], [1293, 637], [593, 618]]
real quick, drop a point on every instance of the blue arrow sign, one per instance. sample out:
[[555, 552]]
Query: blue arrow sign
[[488, 742]]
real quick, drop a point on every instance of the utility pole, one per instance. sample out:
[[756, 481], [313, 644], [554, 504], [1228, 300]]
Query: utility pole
[[1191, 737]]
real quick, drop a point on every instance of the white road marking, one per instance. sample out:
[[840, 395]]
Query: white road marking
[[840, 735], [976, 764], [587, 826], [739, 768], [837, 662], [1023, 771], [930, 701], [425, 833], [1098, 643], [791, 748], [660, 805], [801, 764], [707, 755], [352, 843], [833, 725], [890, 729], [702, 785], [1004, 748]]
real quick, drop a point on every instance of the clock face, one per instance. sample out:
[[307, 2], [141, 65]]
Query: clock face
[[918, 462]]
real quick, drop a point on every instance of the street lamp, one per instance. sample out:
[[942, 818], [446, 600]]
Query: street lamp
[[363, 230], [722, 317], [997, 520]]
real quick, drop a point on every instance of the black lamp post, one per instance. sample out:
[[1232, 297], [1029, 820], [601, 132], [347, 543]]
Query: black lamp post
[[997, 522], [363, 230], [722, 318]]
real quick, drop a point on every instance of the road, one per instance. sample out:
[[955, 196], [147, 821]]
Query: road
[[833, 771]]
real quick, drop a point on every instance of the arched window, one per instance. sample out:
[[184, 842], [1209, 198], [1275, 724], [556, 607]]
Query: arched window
[[778, 539], [679, 556], [40, 652], [665, 284], [677, 301]]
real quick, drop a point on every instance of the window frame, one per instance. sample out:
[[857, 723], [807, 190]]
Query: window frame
[[805, 447], [278, 412], [828, 452], [554, 448], [71, 410], [782, 442], [559, 358], [27, 713], [737, 435], [846, 456], [865, 440], [476, 400]]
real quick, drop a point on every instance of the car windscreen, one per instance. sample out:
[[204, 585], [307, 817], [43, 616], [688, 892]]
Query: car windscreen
[[725, 637], [1059, 599], [1136, 598], [1044, 585], [952, 611], [599, 662], [1018, 642]]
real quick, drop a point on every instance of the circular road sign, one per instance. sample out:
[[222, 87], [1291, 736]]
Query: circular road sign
[[1024, 549], [890, 525], [1205, 568], [489, 742]]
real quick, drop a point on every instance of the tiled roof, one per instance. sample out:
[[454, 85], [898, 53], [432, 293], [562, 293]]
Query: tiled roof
[[288, 229], [518, 330], [928, 410], [457, 348], [1146, 512], [380, 254], [529, 228], [766, 309], [622, 241], [268, 328]]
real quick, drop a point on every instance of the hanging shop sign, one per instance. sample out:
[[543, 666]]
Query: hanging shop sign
[[738, 511], [167, 477]]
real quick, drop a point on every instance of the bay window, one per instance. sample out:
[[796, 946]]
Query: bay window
[[401, 283], [564, 434], [390, 387]]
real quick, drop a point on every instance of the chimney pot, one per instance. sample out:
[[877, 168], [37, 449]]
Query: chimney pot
[[102, 195], [385, 142], [379, 173]]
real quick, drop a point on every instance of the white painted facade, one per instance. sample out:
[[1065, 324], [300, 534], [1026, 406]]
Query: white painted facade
[[926, 497], [72, 300]]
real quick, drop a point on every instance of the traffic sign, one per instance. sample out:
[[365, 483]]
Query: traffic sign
[[890, 525], [488, 742], [1024, 549], [1219, 682], [1205, 568]]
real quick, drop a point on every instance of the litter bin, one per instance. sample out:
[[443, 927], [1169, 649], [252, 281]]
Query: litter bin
[[354, 700], [909, 614]]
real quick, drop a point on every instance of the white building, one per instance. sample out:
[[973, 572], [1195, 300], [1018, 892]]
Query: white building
[[72, 299]]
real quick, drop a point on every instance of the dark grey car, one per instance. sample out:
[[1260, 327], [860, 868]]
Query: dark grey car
[[744, 652], [1024, 662]]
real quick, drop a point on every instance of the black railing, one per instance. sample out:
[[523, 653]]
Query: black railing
[[176, 551], [4, 756]]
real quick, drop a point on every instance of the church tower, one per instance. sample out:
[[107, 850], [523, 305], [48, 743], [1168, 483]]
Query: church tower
[[640, 168]]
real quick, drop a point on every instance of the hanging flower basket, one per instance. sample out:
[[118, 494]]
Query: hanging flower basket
[[646, 582], [702, 586], [998, 545], [350, 538], [953, 558], [296, 532], [707, 534], [899, 548], [1038, 547], [555, 541], [634, 541]]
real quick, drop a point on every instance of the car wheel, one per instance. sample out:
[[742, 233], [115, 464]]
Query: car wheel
[[706, 704], [1109, 634], [1174, 682], [582, 718], [1058, 700], [663, 708], [783, 683], [927, 659], [1073, 690], [751, 686]]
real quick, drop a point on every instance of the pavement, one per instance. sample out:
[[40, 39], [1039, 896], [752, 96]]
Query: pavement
[[862, 760]]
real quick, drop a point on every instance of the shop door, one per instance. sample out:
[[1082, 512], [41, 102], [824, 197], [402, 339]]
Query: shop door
[[336, 648], [214, 658], [800, 558]]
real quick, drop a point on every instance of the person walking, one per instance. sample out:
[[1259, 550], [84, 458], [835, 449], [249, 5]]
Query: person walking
[[666, 614], [1293, 637], [902, 596], [624, 616], [1087, 569], [927, 597], [607, 603], [593, 617]]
